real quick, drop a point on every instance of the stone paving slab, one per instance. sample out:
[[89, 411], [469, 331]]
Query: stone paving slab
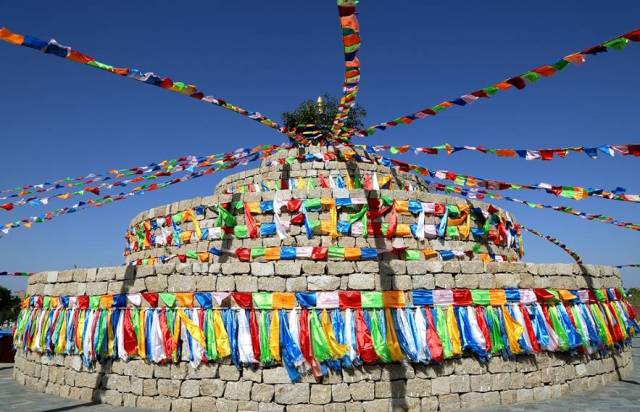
[[14, 397], [620, 396]]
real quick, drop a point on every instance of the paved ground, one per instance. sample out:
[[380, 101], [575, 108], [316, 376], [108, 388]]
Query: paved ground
[[14, 397], [620, 396]]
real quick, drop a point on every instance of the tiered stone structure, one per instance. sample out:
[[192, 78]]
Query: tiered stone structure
[[458, 383]]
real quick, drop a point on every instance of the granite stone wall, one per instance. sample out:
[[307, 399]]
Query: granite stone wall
[[271, 171], [460, 383], [293, 276]]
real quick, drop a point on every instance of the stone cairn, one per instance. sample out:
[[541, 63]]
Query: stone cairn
[[457, 383]]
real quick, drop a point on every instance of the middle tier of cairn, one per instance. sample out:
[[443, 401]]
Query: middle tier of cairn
[[309, 204]]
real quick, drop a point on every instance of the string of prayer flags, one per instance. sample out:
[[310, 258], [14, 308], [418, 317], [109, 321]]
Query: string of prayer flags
[[473, 193], [137, 173], [329, 328], [570, 192], [630, 265], [323, 253], [555, 241], [25, 274], [190, 164], [611, 150], [351, 43], [519, 82], [216, 166], [54, 48]]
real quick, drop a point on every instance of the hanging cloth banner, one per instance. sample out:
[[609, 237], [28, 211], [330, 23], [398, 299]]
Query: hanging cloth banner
[[54, 48], [611, 150], [555, 241], [519, 82], [351, 42]]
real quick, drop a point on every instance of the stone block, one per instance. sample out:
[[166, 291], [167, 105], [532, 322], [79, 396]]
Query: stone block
[[314, 268], [288, 268], [340, 392], [393, 267], [180, 283], [362, 281], [271, 284], [262, 269], [441, 385], [459, 383], [275, 375], [320, 394], [246, 283], [169, 387], [228, 373], [262, 392], [362, 391], [340, 268], [323, 282], [368, 266], [139, 369], [444, 280], [292, 394], [235, 268], [429, 403], [149, 387], [181, 405], [212, 387], [396, 371], [417, 388], [240, 390], [450, 402]]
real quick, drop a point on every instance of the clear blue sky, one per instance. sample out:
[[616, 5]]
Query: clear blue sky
[[61, 119]]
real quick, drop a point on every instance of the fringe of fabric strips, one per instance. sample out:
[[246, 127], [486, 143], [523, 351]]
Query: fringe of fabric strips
[[319, 331]]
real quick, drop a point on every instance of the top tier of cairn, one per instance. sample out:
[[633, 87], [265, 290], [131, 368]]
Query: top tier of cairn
[[350, 178]]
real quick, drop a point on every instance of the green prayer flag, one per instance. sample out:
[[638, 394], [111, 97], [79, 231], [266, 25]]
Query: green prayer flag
[[454, 211], [94, 302], [491, 90], [618, 44], [241, 231], [314, 225], [453, 232], [531, 76], [192, 254], [371, 300], [210, 333], [257, 252], [336, 252], [177, 218], [262, 300], [441, 328], [225, 217], [559, 65], [379, 342], [480, 297], [410, 254], [319, 342], [168, 298], [313, 205]]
